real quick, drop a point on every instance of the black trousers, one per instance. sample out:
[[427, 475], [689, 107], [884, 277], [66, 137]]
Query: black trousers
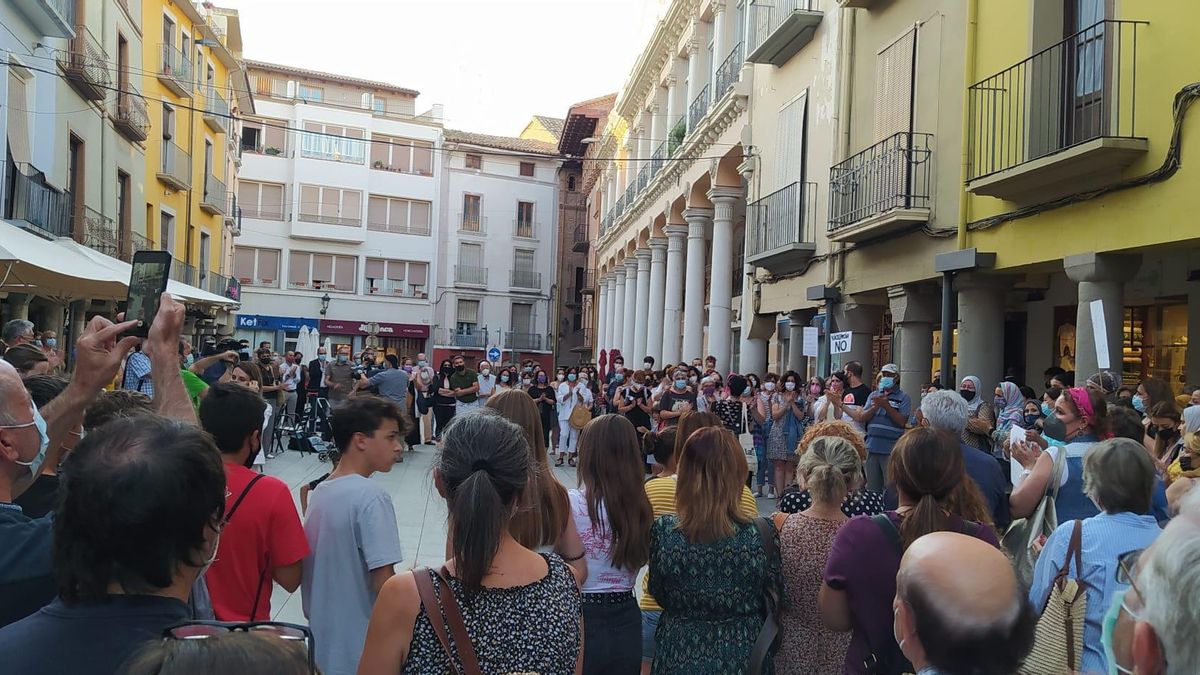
[[612, 638], [442, 414]]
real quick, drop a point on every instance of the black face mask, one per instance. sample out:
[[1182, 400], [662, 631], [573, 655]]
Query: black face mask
[[967, 394], [1054, 429], [460, 368], [1154, 431]]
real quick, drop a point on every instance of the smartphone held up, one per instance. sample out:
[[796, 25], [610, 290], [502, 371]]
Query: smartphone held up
[[147, 283]]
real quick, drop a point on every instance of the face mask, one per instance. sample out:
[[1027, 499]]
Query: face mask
[[408, 369], [1046, 409], [322, 357], [527, 369], [1139, 403], [421, 364], [692, 379], [525, 381], [572, 377], [886, 382], [1154, 431], [559, 377], [1054, 429], [51, 342], [342, 358], [895, 632], [790, 386], [999, 401], [770, 386], [486, 371], [747, 391], [35, 464], [1107, 629], [636, 386], [967, 394], [1031, 419], [541, 379], [619, 366], [459, 369], [620, 377], [212, 558], [681, 384], [189, 359], [647, 365]]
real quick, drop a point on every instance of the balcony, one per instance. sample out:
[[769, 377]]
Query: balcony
[[780, 28], [175, 166], [1062, 121], [523, 341], [333, 148], [643, 178], [175, 70], [524, 228], [395, 288], [587, 342], [579, 241], [217, 284], [525, 279], [472, 222], [51, 18], [329, 214], [265, 211], [85, 65], [214, 198], [99, 233], [216, 111], [32, 200], [233, 216], [729, 71], [619, 209], [676, 135], [474, 339], [656, 159], [881, 190], [138, 242], [183, 272], [606, 223], [589, 283], [782, 229], [470, 275], [698, 109], [131, 119], [572, 296]]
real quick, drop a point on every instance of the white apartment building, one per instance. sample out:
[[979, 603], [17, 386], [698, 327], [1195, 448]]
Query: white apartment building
[[338, 194], [497, 243]]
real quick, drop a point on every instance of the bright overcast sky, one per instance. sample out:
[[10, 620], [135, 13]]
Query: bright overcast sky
[[491, 63]]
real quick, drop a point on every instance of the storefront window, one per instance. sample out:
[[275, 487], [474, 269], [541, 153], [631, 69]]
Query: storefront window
[[1155, 344]]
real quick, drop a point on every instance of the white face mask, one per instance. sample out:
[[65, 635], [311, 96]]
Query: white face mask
[[212, 558], [35, 464], [769, 386], [485, 371]]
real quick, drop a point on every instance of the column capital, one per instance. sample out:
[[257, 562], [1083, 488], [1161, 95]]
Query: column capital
[[670, 81], [631, 264], [619, 274], [913, 304], [718, 8], [725, 194], [693, 213], [658, 244], [652, 108], [693, 45], [1097, 267], [643, 256], [676, 234]]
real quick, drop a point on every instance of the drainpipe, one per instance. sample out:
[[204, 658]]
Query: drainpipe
[[964, 203], [836, 266]]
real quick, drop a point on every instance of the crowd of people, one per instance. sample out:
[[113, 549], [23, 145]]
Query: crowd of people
[[960, 533]]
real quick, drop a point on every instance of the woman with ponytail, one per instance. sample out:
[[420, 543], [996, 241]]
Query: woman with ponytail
[[521, 608], [926, 468]]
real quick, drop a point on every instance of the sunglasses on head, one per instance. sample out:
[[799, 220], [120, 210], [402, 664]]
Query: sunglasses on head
[[203, 630]]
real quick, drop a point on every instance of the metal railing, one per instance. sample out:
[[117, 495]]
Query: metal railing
[[395, 228], [643, 178], [183, 272], [333, 148], [132, 118], [892, 174], [631, 193], [64, 8], [265, 211], [619, 208], [656, 159], [472, 223], [175, 166], [470, 274], [86, 65], [514, 340], [525, 279], [579, 236], [1074, 91], [782, 218], [729, 71], [676, 135], [216, 110], [352, 220], [698, 109], [468, 338], [766, 17], [214, 197], [524, 228], [589, 282], [606, 222], [32, 200], [572, 296], [100, 233], [215, 283], [176, 66], [139, 242]]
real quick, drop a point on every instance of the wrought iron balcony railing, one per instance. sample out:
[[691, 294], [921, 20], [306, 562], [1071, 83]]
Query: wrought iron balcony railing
[[471, 274], [698, 109], [729, 71], [892, 174], [656, 160], [85, 64], [529, 341], [31, 199], [131, 118], [676, 135], [643, 178], [525, 279], [100, 233], [476, 338], [782, 219]]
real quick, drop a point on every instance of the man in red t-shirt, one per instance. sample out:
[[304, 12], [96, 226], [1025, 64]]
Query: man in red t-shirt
[[262, 539]]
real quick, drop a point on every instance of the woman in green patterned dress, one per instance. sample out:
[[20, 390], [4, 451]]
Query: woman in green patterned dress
[[708, 567]]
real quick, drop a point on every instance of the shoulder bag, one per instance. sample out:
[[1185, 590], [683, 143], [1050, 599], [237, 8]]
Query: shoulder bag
[[1019, 539], [580, 416], [746, 439], [450, 623], [1058, 638], [768, 637]]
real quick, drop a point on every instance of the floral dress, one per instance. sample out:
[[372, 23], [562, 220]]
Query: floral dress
[[807, 647], [712, 598]]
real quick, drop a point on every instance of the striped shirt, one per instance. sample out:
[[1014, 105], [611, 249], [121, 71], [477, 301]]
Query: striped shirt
[[661, 492]]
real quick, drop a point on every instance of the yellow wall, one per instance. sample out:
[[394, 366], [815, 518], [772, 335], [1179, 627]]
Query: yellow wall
[[536, 131], [190, 134], [1161, 214]]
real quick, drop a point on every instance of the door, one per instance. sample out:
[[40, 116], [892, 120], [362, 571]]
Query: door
[[205, 251], [1085, 115]]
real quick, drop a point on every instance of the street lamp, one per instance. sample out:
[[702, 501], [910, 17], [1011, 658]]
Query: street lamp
[[325, 303]]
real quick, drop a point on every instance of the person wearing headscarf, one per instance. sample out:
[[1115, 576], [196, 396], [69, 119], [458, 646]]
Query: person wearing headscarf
[[981, 417], [1187, 460], [1106, 382], [1010, 411]]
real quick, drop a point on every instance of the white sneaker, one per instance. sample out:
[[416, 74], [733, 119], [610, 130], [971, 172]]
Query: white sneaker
[[770, 492], [758, 492]]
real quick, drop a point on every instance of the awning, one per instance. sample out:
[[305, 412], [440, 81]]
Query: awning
[[124, 269], [33, 264]]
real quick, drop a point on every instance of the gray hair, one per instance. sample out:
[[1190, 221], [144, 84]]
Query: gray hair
[[1119, 474], [15, 329], [1171, 571], [945, 409], [830, 466], [11, 388]]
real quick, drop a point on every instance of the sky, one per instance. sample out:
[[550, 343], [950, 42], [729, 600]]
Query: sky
[[491, 63]]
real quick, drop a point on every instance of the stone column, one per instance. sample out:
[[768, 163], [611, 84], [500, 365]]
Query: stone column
[[18, 304], [914, 311], [672, 334], [673, 96], [797, 320], [1101, 276], [752, 351], [627, 328], [611, 188], [658, 289], [697, 73], [78, 323], [598, 330], [641, 308], [620, 311], [720, 313], [610, 324], [721, 43], [657, 123], [980, 329], [693, 301], [862, 320]]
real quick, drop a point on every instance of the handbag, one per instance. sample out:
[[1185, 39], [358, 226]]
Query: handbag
[[1019, 539], [580, 416], [746, 439], [766, 643], [1058, 638], [448, 620]]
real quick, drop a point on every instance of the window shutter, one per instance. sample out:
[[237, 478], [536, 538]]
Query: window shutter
[[423, 158], [310, 200], [417, 273], [322, 268], [248, 193], [298, 264], [395, 270], [268, 266], [344, 272], [894, 86], [330, 205], [275, 134], [522, 316], [419, 217], [243, 264], [468, 311], [272, 201], [375, 268], [377, 213], [352, 206], [789, 160], [470, 255], [18, 119]]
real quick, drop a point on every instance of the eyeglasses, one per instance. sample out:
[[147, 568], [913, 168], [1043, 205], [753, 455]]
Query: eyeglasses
[[203, 630], [1126, 564]]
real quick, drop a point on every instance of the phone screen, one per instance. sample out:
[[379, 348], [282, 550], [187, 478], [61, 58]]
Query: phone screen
[[147, 282]]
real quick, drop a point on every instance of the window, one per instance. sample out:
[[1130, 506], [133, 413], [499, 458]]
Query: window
[[262, 200], [330, 205], [470, 268], [205, 252], [322, 271], [402, 155], [307, 92], [379, 104], [334, 143], [525, 219], [256, 266], [402, 216], [124, 212], [474, 161], [396, 277], [472, 221], [894, 86], [522, 318], [527, 169], [570, 183], [789, 152], [523, 259], [264, 137], [166, 232], [466, 317], [524, 275]]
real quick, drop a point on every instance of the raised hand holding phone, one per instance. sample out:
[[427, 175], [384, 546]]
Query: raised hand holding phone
[[147, 283]]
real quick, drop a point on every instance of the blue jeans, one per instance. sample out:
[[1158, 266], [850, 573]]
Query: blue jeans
[[649, 626], [764, 467], [610, 633]]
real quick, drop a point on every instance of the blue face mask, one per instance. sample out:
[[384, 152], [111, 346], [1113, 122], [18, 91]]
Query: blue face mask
[[1139, 403], [1107, 628], [1031, 420], [51, 342], [680, 384], [747, 391], [886, 383], [1046, 409], [619, 377], [504, 378], [572, 377], [35, 464], [322, 357]]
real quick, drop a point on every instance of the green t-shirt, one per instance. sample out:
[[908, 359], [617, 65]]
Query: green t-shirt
[[194, 386], [467, 378]]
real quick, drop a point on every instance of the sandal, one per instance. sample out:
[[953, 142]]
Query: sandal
[[559, 461], [571, 461]]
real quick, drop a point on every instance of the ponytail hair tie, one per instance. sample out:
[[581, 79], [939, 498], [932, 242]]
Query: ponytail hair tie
[[481, 465]]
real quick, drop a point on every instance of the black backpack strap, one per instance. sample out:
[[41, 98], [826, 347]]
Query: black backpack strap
[[970, 528], [888, 528], [238, 501]]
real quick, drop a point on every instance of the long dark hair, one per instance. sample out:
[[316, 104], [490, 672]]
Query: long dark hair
[[484, 467], [545, 507], [926, 466], [610, 467]]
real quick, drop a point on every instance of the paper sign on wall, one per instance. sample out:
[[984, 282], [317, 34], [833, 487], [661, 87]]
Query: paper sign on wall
[[811, 347], [1100, 333], [839, 343]]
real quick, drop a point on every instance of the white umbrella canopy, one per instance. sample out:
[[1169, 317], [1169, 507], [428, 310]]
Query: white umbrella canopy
[[302, 339]]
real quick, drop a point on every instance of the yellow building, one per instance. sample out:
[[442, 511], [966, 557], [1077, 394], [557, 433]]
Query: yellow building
[[194, 85]]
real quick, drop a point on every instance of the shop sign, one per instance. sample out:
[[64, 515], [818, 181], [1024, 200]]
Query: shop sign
[[261, 322], [397, 330]]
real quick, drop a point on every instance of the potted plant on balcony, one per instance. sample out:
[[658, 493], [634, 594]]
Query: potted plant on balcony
[[675, 138], [378, 164], [273, 151]]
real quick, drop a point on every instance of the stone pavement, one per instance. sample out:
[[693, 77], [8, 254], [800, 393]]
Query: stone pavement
[[420, 511]]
